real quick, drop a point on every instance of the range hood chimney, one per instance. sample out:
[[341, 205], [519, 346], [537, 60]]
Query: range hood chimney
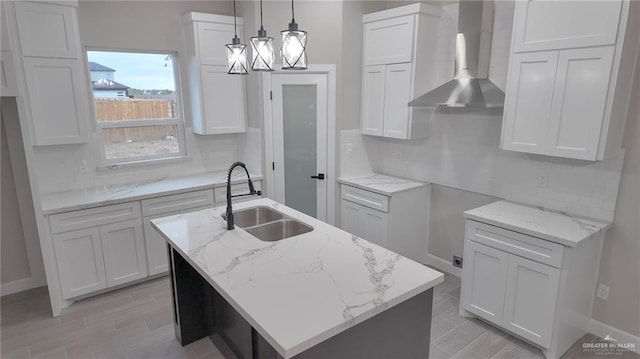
[[470, 86]]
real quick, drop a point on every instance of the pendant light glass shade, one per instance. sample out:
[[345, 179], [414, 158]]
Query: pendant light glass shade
[[236, 52], [236, 57], [262, 49], [294, 45], [263, 53]]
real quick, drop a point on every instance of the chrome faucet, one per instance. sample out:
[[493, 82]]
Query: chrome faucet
[[252, 192]]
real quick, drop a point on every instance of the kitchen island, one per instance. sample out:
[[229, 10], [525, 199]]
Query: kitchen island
[[325, 293]]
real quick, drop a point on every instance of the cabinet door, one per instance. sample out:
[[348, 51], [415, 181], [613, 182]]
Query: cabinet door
[[548, 25], [223, 101], [350, 217], [579, 102], [211, 39], [483, 281], [58, 100], [124, 253], [80, 262], [375, 226], [156, 249], [373, 80], [527, 106], [397, 95], [8, 80], [530, 300], [47, 30], [389, 41]]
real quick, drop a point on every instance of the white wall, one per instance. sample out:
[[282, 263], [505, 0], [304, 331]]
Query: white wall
[[14, 262], [21, 265], [620, 265], [142, 25]]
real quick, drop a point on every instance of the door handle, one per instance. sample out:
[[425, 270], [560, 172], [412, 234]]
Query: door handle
[[320, 176]]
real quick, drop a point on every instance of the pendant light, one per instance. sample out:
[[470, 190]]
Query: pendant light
[[294, 43], [262, 49], [236, 52]]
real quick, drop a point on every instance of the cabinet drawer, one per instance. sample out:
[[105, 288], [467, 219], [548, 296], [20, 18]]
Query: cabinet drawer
[[177, 202], [220, 193], [86, 218], [519, 244], [365, 198]]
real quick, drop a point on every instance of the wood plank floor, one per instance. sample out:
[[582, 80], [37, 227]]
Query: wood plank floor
[[136, 322]]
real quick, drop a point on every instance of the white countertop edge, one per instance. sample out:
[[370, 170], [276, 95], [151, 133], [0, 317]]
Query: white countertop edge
[[546, 236], [297, 349], [124, 199], [350, 182]]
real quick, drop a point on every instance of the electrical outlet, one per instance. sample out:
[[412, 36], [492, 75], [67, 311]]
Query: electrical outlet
[[83, 166], [603, 291], [349, 148], [398, 155], [202, 155], [542, 181], [457, 261]]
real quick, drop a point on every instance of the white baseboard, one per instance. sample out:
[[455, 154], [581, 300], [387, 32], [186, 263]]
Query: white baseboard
[[443, 265], [602, 330], [21, 285]]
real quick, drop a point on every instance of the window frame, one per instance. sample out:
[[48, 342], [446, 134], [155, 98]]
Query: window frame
[[177, 121]]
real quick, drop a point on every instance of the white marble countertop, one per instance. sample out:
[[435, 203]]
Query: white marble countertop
[[100, 196], [383, 184], [554, 226], [302, 290]]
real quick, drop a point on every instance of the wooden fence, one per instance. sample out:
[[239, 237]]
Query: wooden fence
[[135, 109]]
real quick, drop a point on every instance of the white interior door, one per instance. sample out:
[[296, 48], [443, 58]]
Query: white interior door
[[299, 112]]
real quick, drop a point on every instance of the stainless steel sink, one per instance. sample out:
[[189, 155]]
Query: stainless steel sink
[[278, 230], [254, 216]]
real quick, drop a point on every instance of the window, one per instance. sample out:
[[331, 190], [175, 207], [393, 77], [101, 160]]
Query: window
[[136, 105]]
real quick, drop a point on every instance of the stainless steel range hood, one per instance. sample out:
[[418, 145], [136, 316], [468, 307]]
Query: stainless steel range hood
[[470, 86]]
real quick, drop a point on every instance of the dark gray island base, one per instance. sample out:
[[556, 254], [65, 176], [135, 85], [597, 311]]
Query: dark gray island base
[[402, 331]]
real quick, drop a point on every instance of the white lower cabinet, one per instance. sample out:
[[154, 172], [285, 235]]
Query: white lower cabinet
[[108, 246], [397, 222], [367, 223], [485, 286], [513, 280], [123, 248], [80, 262], [530, 300], [157, 259]]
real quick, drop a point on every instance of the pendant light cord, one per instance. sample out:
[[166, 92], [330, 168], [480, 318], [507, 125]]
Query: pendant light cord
[[261, 14], [235, 26], [293, 15]]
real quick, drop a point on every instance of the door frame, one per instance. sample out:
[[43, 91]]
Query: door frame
[[329, 70]]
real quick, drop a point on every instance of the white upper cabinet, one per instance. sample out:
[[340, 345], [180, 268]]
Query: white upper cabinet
[[550, 25], [528, 99], [396, 67], [397, 93], [54, 75], [373, 91], [57, 99], [574, 126], [217, 100], [47, 30], [568, 87], [389, 41]]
